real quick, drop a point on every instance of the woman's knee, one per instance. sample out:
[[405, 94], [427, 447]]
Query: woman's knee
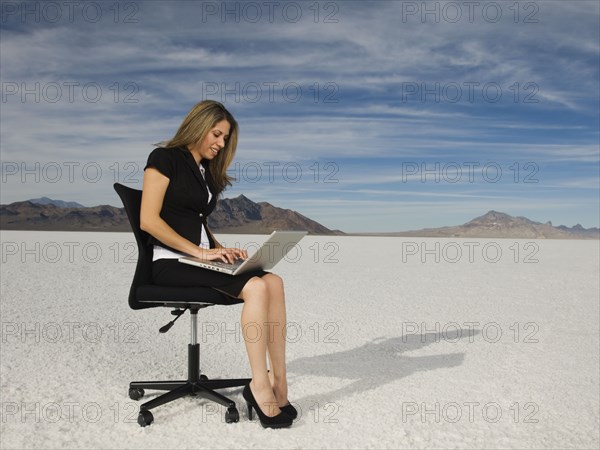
[[274, 282], [255, 287]]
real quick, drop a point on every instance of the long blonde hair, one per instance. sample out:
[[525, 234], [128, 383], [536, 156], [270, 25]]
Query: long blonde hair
[[194, 128]]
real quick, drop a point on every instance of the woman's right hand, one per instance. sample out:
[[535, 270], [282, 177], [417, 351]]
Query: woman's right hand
[[226, 255]]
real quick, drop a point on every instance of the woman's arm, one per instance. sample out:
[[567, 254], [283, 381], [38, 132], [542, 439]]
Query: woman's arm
[[153, 193], [217, 243]]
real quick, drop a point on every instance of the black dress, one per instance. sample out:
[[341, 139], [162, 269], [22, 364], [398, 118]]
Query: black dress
[[185, 209]]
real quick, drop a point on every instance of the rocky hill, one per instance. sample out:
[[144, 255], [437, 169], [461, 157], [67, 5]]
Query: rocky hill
[[496, 224], [28, 215], [242, 215]]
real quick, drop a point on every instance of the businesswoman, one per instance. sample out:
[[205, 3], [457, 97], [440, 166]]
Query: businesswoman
[[182, 180]]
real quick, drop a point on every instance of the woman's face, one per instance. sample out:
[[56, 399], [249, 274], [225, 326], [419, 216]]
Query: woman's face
[[214, 141]]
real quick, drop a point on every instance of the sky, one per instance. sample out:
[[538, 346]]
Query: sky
[[371, 116]]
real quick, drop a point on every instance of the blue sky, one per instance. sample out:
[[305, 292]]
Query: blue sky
[[364, 116]]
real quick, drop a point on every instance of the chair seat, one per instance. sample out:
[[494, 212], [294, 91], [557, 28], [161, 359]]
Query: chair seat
[[172, 295]]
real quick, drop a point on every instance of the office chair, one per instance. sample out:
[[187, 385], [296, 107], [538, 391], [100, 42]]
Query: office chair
[[144, 294]]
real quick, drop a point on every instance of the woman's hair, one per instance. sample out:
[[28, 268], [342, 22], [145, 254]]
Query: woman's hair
[[194, 128]]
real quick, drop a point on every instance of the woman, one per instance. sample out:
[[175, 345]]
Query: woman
[[182, 181]]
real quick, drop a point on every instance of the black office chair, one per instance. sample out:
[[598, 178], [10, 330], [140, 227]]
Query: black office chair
[[144, 294]]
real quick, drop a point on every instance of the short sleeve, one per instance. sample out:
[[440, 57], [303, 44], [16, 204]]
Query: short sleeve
[[162, 160]]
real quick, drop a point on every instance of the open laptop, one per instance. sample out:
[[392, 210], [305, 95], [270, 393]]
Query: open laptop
[[266, 256]]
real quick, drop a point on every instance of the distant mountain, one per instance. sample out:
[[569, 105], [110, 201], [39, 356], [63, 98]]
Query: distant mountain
[[236, 215], [579, 231], [49, 217], [242, 215], [496, 224], [59, 203]]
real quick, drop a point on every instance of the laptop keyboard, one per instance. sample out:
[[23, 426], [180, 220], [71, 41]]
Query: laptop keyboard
[[227, 265]]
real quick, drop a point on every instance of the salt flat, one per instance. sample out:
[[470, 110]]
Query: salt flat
[[393, 343]]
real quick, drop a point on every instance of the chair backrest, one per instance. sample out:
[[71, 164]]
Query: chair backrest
[[132, 201]]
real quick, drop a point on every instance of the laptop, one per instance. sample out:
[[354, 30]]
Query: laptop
[[273, 250]]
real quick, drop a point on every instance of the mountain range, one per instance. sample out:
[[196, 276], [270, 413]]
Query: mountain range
[[235, 215], [496, 224], [242, 215]]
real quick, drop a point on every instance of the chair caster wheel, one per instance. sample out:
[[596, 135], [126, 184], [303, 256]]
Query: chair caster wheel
[[232, 415], [136, 393], [203, 377], [145, 418]]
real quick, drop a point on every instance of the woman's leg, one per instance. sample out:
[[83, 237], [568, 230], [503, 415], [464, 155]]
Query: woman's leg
[[255, 318], [277, 339]]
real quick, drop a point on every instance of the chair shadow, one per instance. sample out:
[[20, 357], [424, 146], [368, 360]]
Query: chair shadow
[[378, 362]]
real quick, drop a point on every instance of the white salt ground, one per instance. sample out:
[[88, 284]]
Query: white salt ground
[[495, 345]]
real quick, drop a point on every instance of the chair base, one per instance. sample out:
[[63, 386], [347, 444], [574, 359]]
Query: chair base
[[196, 385]]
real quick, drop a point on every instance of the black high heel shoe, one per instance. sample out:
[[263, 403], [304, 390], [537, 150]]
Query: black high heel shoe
[[289, 410], [281, 420]]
